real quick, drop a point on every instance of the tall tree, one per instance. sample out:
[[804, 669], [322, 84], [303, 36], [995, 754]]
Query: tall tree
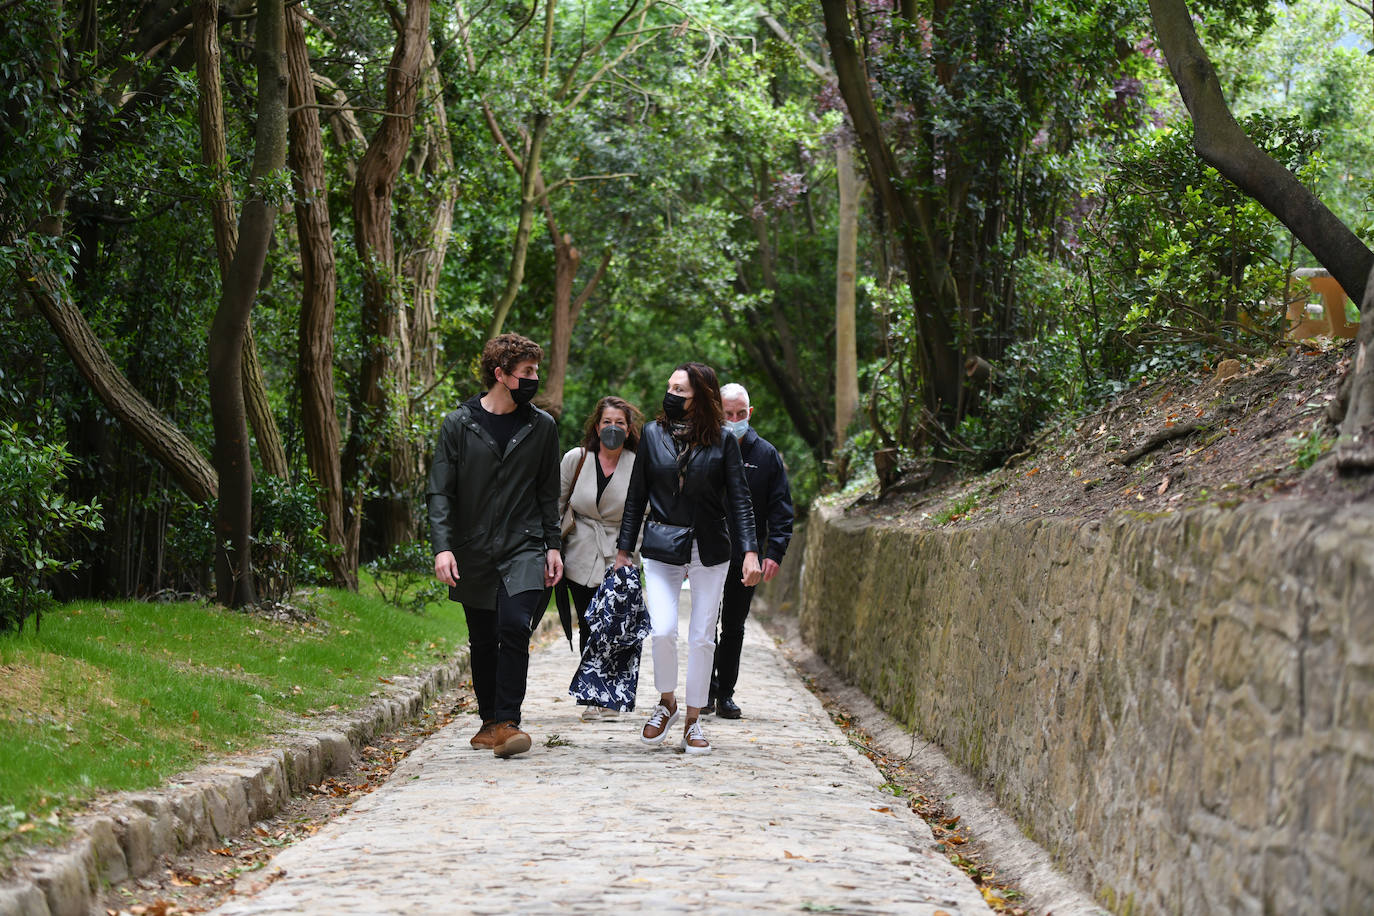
[[34, 219], [215, 156], [319, 285], [559, 96], [1220, 141], [234, 518], [846, 256], [384, 374]]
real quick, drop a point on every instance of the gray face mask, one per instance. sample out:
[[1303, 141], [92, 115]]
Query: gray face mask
[[612, 437]]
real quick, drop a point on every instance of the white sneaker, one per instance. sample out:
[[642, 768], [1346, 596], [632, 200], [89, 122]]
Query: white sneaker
[[608, 713], [591, 713], [695, 734], [659, 721]]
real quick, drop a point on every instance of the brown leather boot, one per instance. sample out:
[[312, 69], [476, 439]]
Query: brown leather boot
[[482, 741], [507, 740]]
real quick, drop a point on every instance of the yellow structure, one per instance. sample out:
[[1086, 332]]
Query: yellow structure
[[1330, 321]]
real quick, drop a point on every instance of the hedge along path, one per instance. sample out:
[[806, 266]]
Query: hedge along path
[[128, 835], [784, 815]]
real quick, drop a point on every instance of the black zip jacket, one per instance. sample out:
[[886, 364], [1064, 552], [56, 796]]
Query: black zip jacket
[[771, 495], [714, 499], [497, 510]]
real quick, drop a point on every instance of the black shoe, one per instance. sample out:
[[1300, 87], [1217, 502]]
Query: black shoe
[[726, 708], [709, 708]]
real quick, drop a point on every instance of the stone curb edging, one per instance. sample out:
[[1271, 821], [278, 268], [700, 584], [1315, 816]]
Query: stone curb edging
[[132, 831]]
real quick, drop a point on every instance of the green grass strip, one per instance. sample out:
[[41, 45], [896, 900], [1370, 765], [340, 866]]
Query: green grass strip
[[121, 695]]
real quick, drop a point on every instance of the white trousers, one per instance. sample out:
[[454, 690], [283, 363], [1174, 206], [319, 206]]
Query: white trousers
[[662, 587]]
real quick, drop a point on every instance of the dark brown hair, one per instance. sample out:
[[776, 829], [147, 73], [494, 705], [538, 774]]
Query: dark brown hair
[[591, 436], [505, 352], [705, 416]]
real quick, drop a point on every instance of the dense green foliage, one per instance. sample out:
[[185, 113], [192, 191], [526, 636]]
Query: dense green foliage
[[1072, 240], [36, 520]]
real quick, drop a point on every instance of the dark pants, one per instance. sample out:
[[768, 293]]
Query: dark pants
[[581, 600], [734, 610], [499, 648]]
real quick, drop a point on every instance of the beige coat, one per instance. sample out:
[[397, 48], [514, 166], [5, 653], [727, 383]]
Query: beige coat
[[590, 547]]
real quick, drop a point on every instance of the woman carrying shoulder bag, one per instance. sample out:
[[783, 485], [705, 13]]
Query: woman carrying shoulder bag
[[689, 481], [594, 478]]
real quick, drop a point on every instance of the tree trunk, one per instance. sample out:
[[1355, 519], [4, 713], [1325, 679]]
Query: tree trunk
[[214, 154], [315, 348], [528, 178], [234, 519], [1355, 451], [846, 270], [167, 444], [928, 271], [386, 351], [271, 452], [425, 264], [1221, 142]]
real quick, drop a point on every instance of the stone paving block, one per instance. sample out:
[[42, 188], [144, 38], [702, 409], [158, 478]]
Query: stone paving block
[[23, 901], [783, 815]]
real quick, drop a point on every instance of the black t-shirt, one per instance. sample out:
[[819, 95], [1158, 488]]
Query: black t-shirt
[[601, 478], [501, 426]]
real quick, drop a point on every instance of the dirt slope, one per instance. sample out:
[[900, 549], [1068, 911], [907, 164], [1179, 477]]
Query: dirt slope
[[1169, 444]]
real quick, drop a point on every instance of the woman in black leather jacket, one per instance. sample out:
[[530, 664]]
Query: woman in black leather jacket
[[689, 480]]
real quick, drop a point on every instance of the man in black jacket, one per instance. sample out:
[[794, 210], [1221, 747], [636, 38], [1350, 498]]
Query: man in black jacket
[[773, 525], [493, 517]]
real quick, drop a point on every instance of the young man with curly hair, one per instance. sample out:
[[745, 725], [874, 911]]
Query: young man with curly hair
[[493, 516]]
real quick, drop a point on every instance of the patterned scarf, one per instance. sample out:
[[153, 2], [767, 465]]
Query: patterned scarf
[[680, 429]]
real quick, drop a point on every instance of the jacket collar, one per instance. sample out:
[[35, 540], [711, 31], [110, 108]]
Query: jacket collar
[[468, 417]]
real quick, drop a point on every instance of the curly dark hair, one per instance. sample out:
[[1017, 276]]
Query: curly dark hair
[[591, 435], [505, 352], [706, 416]]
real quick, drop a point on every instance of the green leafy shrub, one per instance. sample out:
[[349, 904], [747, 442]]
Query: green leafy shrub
[[289, 547], [35, 521], [404, 578], [1182, 260]]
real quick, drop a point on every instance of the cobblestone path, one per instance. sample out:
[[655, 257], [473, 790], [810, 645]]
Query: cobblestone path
[[784, 816]]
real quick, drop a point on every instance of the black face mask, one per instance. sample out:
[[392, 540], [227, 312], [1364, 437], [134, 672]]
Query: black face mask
[[612, 437], [674, 406], [529, 387]]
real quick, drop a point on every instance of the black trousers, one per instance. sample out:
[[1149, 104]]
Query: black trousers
[[734, 611], [499, 649], [581, 600]]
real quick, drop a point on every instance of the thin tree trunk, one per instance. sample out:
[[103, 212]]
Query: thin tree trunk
[[315, 347], [846, 270], [386, 351], [528, 177], [234, 519]]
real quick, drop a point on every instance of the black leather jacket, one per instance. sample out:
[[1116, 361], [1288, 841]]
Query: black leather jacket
[[714, 499]]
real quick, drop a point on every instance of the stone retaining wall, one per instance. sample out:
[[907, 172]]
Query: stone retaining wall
[[1180, 709]]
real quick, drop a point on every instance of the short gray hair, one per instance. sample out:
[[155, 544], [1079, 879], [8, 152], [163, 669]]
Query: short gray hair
[[734, 390]]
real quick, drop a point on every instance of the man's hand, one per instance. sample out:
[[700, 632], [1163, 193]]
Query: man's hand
[[622, 558], [770, 569], [553, 568], [751, 570], [446, 567]]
